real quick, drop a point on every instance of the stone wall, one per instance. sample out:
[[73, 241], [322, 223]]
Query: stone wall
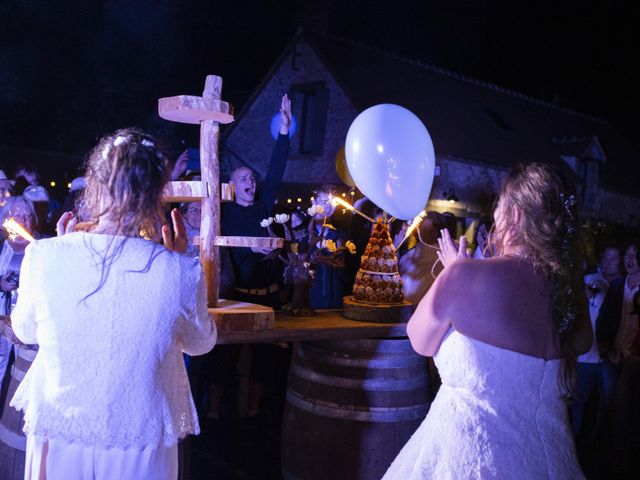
[[251, 139]]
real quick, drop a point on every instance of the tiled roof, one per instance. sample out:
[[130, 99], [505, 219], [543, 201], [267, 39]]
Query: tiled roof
[[471, 119]]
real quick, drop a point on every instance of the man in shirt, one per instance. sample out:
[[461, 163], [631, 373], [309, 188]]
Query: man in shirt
[[592, 373], [258, 279]]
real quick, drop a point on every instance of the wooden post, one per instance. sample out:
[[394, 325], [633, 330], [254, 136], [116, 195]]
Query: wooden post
[[209, 111], [210, 168]]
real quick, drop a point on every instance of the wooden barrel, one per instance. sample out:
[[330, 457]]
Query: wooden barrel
[[351, 406], [12, 440]]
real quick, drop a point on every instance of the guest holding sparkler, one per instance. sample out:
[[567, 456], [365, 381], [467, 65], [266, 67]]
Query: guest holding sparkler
[[19, 220]]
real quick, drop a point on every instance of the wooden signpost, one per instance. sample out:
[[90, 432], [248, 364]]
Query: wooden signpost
[[210, 111]]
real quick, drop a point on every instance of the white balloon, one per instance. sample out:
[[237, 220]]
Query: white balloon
[[391, 159]]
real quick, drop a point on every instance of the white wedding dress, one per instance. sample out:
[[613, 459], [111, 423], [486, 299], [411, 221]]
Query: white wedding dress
[[498, 414]]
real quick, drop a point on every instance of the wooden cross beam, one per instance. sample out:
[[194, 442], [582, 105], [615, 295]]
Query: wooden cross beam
[[208, 111]]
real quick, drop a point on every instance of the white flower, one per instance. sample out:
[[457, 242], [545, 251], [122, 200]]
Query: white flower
[[315, 210], [351, 246], [266, 222], [281, 218], [329, 245]]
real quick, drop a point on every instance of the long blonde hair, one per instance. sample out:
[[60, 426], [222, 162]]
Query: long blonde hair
[[546, 234], [126, 174]]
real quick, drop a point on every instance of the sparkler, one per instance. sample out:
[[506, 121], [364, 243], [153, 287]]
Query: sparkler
[[16, 230], [414, 224], [348, 206]]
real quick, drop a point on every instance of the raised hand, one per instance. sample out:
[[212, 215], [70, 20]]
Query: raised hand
[[449, 252], [285, 115], [177, 243], [181, 165]]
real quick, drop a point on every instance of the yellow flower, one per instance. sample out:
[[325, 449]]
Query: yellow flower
[[329, 245], [351, 246]]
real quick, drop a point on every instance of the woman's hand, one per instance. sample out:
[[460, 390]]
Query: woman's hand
[[177, 243], [66, 223], [449, 252]]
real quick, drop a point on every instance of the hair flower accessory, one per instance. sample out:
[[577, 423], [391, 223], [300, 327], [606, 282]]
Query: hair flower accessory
[[119, 140], [569, 213], [147, 143], [351, 247]]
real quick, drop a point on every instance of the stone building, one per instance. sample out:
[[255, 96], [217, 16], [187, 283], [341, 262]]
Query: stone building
[[479, 130]]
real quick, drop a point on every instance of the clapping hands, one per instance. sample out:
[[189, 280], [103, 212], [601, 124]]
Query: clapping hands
[[449, 252]]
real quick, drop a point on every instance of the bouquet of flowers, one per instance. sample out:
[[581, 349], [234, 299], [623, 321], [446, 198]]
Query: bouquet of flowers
[[300, 256]]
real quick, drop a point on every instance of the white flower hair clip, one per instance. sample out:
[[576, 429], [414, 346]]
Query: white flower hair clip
[[147, 143], [119, 140]]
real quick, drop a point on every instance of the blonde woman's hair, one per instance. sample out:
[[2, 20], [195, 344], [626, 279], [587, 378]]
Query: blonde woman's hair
[[125, 176], [546, 233]]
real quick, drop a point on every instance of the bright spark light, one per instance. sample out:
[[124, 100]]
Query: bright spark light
[[414, 224], [16, 230], [338, 201]]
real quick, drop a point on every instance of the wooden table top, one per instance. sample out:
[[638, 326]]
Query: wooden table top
[[326, 325]]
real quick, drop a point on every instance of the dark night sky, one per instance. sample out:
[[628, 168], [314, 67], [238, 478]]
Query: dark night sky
[[71, 71]]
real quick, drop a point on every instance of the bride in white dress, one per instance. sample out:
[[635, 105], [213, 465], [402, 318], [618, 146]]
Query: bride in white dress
[[504, 333]]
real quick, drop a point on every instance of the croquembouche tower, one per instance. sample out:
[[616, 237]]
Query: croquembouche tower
[[378, 280], [377, 291]]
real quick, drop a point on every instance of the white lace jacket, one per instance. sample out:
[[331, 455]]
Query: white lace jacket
[[110, 370]]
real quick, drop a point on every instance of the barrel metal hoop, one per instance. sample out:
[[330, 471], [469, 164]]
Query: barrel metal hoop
[[367, 362], [26, 353], [12, 439], [376, 384], [372, 414], [17, 373]]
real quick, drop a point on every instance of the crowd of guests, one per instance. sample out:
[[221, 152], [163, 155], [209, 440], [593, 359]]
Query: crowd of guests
[[120, 197]]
